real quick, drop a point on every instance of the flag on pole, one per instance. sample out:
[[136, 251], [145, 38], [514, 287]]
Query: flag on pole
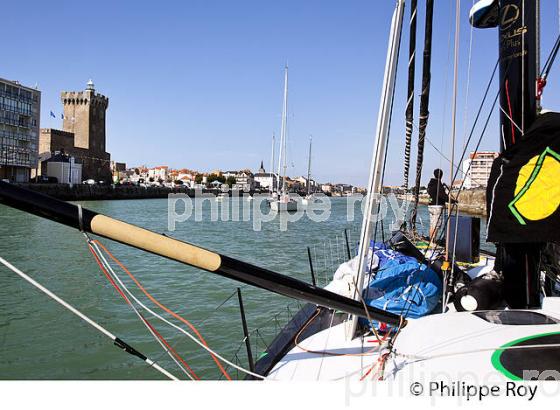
[[52, 115]]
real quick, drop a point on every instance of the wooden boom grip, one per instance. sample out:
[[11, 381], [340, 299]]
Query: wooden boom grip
[[155, 243]]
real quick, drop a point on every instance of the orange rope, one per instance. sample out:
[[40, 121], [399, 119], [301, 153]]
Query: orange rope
[[166, 309], [173, 351], [326, 352], [152, 328]]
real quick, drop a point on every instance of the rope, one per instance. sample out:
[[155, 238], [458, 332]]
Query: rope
[[118, 342], [180, 329], [160, 305], [159, 338], [326, 352]]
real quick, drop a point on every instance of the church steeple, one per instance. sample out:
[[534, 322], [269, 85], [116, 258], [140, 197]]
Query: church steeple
[[261, 169]]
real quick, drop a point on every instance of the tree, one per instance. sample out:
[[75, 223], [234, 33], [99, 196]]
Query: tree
[[213, 177], [198, 179], [230, 181]]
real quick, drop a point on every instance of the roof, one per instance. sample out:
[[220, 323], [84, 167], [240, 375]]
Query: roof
[[62, 158]]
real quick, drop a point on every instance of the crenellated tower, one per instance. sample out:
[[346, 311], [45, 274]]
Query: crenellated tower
[[84, 115]]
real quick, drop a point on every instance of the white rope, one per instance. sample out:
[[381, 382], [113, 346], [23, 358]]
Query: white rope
[[194, 339], [77, 312], [143, 320], [493, 198]]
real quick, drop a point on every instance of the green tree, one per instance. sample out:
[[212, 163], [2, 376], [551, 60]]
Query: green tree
[[198, 179], [230, 181], [213, 177]]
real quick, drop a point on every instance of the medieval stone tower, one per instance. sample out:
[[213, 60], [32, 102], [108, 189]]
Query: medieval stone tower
[[84, 116]]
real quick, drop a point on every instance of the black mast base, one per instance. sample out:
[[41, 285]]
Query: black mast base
[[519, 263]]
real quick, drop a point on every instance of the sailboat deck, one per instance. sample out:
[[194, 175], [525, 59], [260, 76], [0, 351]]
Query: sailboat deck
[[327, 355]]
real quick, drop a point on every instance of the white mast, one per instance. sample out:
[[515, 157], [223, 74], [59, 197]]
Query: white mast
[[272, 184], [379, 148], [282, 155], [309, 166]]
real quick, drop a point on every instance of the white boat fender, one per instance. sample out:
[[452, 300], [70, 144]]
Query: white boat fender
[[483, 293]]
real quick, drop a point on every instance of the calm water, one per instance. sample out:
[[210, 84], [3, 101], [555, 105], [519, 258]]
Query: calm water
[[41, 340]]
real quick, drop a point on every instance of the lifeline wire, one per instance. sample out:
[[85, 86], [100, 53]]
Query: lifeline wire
[[118, 342], [194, 339]]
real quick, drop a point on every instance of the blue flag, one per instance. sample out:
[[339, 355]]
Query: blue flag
[[62, 116], [52, 115]]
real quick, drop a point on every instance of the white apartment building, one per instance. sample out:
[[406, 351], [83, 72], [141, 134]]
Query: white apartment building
[[476, 169], [158, 173]]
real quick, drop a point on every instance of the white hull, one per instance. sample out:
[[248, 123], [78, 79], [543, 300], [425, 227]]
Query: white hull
[[449, 345]]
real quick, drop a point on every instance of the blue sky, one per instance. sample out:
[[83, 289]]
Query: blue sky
[[198, 84]]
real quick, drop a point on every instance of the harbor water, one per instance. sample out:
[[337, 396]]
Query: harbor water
[[41, 340]]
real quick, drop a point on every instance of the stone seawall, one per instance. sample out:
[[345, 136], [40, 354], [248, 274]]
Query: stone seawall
[[472, 201], [105, 192]]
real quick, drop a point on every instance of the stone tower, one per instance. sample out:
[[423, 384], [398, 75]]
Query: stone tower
[[84, 115]]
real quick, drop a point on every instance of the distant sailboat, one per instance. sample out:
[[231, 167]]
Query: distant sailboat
[[310, 196], [282, 202]]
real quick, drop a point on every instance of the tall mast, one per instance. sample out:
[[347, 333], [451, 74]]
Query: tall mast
[[519, 47], [453, 117], [410, 98], [309, 166], [272, 184], [282, 155], [379, 148], [424, 103]]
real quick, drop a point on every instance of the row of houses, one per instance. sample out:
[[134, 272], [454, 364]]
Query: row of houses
[[240, 179]]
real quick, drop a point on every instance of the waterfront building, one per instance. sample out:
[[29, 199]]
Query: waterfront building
[[20, 109], [187, 177], [83, 135], [159, 173], [265, 180], [66, 169], [327, 188], [243, 179], [118, 170], [303, 183], [476, 169]]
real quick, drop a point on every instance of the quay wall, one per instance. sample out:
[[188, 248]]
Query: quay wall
[[471, 201], [83, 192]]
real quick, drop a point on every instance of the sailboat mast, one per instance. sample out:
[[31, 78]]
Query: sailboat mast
[[424, 104], [376, 172], [309, 167], [410, 98], [282, 155], [272, 184], [518, 41], [453, 118]]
